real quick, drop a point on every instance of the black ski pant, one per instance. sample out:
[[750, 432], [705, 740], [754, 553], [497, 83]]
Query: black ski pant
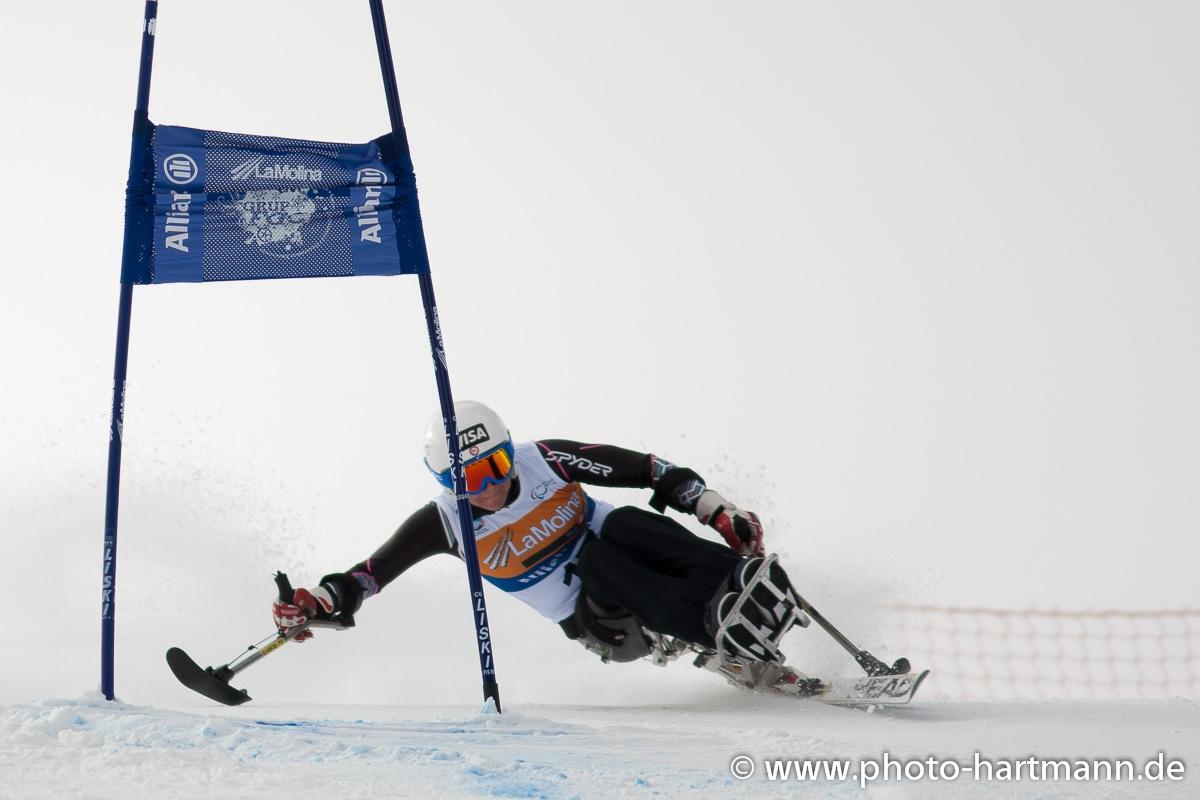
[[656, 569]]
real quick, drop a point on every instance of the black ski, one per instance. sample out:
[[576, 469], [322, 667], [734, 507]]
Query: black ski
[[213, 682], [208, 682]]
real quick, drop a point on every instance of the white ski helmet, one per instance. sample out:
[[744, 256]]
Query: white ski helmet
[[480, 433]]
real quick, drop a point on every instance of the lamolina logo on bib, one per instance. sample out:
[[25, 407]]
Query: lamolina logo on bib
[[255, 168], [552, 522]]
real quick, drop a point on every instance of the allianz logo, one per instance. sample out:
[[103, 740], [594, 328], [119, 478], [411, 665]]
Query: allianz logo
[[255, 168], [177, 221], [370, 227]]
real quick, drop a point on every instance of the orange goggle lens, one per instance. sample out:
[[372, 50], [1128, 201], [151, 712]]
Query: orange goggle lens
[[491, 469]]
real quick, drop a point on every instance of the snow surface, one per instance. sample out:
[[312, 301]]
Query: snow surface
[[85, 747]]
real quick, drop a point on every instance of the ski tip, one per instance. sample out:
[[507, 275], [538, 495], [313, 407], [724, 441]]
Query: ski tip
[[177, 659], [917, 679], [875, 690]]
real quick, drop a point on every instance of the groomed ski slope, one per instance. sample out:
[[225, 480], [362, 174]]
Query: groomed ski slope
[[88, 748]]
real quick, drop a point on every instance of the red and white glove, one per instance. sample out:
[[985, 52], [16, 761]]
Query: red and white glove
[[315, 603], [740, 529]]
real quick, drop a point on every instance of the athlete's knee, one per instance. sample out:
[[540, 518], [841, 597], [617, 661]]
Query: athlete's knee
[[622, 519], [612, 633]]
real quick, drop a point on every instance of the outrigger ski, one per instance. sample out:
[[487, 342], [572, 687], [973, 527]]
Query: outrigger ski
[[210, 682], [213, 682]]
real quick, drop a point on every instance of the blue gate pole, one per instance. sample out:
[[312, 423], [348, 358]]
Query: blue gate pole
[[120, 364], [483, 637]]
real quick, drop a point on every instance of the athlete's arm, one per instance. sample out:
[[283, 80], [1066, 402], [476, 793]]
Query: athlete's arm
[[599, 464], [340, 594], [420, 536], [609, 465], [677, 487]]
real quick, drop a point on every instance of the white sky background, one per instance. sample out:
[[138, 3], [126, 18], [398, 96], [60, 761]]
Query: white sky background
[[916, 281]]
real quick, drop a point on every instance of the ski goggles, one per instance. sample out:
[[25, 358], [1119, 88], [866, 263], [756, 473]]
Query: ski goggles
[[484, 471]]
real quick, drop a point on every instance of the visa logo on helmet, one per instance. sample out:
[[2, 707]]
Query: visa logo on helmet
[[476, 434]]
